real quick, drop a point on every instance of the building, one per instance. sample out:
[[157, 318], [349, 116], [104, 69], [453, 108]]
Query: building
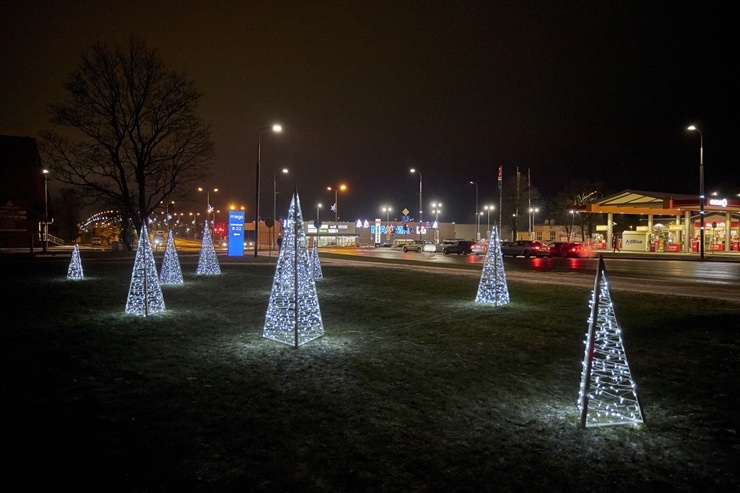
[[23, 205]]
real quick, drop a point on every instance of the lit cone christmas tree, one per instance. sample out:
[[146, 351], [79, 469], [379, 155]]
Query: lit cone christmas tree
[[208, 262], [171, 272], [144, 293], [293, 314], [75, 265], [317, 273], [607, 396], [493, 288]]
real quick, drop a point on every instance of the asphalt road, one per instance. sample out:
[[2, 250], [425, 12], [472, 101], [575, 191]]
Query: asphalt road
[[686, 276]]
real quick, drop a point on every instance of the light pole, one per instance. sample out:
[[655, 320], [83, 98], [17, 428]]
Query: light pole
[[420, 200], [45, 229], [477, 217], [701, 189], [277, 129], [209, 209], [274, 205], [336, 211], [387, 211], [318, 206], [436, 209], [488, 209], [532, 212]]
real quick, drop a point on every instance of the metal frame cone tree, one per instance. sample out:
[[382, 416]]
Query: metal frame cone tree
[[493, 288], [75, 265], [171, 272], [144, 293], [317, 273], [208, 261], [607, 395], [293, 314]]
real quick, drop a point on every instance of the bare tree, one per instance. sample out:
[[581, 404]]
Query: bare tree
[[142, 142], [574, 197]]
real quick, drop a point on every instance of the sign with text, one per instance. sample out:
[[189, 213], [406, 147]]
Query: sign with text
[[236, 233]]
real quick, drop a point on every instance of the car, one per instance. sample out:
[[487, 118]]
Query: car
[[419, 246], [158, 239], [447, 242], [463, 247], [96, 241], [570, 249], [479, 248], [525, 248]]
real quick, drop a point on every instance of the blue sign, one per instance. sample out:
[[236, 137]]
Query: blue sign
[[236, 233]]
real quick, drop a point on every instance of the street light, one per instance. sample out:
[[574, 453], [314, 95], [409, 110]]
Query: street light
[[336, 211], [277, 129], [387, 211], [701, 189], [477, 217], [436, 209], [420, 209], [318, 206], [274, 205], [209, 209], [532, 212], [488, 209], [45, 229]]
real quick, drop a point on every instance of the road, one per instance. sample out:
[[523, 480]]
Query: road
[[646, 273]]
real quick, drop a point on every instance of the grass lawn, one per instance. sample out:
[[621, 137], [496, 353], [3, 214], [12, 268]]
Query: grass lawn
[[413, 388]]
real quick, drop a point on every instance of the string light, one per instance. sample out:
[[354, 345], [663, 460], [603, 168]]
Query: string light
[[75, 265], [293, 314], [208, 262], [317, 273], [607, 396], [171, 272], [144, 293], [493, 288]]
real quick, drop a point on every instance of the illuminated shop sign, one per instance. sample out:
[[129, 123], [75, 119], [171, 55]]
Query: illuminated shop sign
[[719, 202], [236, 233]]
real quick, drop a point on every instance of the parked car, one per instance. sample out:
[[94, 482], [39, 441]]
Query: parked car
[[447, 242], [525, 248], [570, 249], [96, 241], [419, 246], [463, 247], [479, 248]]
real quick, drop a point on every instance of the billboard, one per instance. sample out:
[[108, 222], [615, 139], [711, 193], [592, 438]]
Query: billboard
[[236, 233]]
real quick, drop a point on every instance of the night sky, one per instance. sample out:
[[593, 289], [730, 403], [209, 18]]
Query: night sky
[[588, 90]]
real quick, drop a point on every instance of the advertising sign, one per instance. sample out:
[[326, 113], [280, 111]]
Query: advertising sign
[[635, 241], [236, 233]]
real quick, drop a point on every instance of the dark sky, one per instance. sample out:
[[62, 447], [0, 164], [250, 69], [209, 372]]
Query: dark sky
[[590, 90]]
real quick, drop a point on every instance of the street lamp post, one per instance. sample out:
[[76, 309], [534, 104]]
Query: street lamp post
[[436, 208], [488, 209], [336, 211], [209, 209], [274, 205], [387, 211], [277, 129], [532, 212], [45, 229], [701, 190], [477, 217], [318, 206], [421, 212]]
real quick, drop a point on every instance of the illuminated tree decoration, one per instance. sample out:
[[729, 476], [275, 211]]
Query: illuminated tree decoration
[[208, 262], [493, 288], [171, 272], [75, 265], [317, 274], [607, 396], [144, 293], [293, 314]]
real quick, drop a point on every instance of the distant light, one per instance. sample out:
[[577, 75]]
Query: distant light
[[691, 127], [277, 128], [46, 171]]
